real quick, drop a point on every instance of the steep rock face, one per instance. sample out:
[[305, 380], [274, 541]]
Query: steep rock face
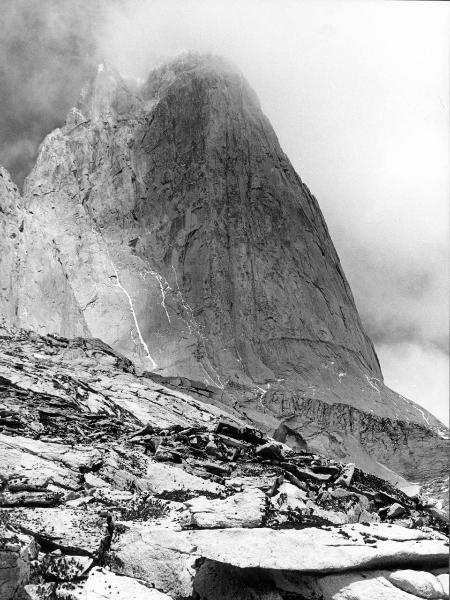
[[10, 226], [394, 449], [34, 288], [166, 220], [186, 196]]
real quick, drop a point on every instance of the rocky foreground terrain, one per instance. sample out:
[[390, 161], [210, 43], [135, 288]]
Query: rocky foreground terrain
[[122, 485]]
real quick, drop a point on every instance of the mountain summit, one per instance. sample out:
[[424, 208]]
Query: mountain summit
[[166, 220]]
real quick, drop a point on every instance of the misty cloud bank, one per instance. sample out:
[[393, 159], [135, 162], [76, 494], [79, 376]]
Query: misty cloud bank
[[47, 49], [358, 95]]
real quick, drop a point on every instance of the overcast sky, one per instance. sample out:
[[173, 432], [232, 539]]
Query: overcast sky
[[358, 95]]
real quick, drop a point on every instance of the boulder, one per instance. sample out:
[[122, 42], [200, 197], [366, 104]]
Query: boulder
[[16, 553], [289, 497], [40, 591], [71, 530], [105, 585], [345, 478], [444, 581], [153, 557], [271, 451], [332, 549], [244, 509], [60, 567], [19, 463], [419, 583], [395, 510], [155, 477], [368, 517], [361, 586], [161, 478], [80, 460]]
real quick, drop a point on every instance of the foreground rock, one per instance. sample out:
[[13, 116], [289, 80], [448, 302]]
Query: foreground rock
[[173, 493], [420, 583], [242, 563], [307, 550], [104, 585], [17, 552], [216, 581], [382, 585], [246, 509]]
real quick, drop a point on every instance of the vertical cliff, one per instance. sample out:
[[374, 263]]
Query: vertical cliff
[[10, 226], [184, 193]]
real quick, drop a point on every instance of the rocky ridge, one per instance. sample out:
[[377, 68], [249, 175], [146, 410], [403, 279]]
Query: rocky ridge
[[117, 485]]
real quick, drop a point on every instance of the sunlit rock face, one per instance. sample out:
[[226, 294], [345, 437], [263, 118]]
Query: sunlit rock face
[[10, 226], [165, 219], [188, 240]]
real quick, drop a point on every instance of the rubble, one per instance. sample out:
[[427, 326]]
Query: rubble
[[119, 483]]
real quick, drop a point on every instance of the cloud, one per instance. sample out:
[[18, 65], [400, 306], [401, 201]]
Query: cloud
[[47, 48], [403, 298], [19, 154], [357, 93], [421, 372]]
